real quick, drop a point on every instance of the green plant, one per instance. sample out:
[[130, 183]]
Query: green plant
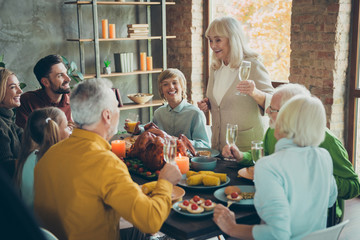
[[107, 63], [72, 70], [2, 64]]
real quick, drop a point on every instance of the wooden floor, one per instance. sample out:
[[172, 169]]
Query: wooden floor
[[352, 212]]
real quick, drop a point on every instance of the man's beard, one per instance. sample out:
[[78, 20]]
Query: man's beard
[[59, 90]]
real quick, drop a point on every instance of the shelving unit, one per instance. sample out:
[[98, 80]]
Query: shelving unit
[[96, 40]]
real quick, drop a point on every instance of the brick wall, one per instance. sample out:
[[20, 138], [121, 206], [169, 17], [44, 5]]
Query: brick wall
[[319, 57], [185, 20]]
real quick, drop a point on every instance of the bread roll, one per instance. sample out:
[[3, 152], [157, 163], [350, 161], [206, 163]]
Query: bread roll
[[230, 189]]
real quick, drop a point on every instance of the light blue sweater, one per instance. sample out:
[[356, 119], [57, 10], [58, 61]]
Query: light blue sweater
[[294, 189], [27, 180], [184, 119]]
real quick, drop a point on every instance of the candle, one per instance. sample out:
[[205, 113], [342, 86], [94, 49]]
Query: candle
[[183, 164], [149, 63], [112, 32], [105, 30], [118, 147], [143, 61]]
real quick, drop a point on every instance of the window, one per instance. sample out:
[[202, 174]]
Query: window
[[267, 24]]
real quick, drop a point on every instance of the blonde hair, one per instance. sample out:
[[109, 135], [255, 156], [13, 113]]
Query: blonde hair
[[230, 28], [172, 73], [302, 119], [41, 132], [4, 75]]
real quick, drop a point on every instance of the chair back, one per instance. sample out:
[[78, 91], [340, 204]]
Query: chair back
[[48, 235], [331, 233]]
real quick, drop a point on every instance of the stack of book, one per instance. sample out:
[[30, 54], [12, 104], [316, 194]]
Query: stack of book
[[138, 30]]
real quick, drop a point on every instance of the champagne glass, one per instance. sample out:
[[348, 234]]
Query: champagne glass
[[170, 151], [257, 150], [244, 72], [231, 135]]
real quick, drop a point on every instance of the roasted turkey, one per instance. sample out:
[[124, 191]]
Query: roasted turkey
[[148, 147]]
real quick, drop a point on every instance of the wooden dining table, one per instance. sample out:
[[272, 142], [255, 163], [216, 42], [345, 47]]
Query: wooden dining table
[[179, 226]]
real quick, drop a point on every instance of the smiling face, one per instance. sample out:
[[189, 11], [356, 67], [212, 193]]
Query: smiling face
[[58, 81], [220, 47], [63, 127], [12, 93], [273, 109], [171, 88]]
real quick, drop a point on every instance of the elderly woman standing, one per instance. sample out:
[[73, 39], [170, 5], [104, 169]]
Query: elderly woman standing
[[295, 185], [10, 133], [230, 48]]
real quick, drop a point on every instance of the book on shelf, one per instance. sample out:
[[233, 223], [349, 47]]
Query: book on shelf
[[137, 28], [124, 62], [137, 35], [138, 31], [138, 25]]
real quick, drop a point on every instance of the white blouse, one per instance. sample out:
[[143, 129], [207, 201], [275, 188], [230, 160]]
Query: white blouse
[[224, 77]]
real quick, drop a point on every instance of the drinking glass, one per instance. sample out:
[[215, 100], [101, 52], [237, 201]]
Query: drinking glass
[[257, 150], [231, 136], [244, 72], [170, 151], [131, 121]]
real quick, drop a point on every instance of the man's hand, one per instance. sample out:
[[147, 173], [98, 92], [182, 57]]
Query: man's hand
[[232, 152], [171, 173]]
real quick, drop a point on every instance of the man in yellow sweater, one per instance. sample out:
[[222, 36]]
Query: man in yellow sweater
[[82, 188]]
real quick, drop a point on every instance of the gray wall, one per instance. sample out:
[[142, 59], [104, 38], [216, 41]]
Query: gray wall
[[30, 30]]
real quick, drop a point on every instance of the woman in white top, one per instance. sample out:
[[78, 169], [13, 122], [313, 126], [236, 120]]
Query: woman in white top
[[230, 48], [44, 128], [295, 185]]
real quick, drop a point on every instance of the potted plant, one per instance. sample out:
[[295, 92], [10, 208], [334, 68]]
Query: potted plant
[[107, 68], [72, 70]]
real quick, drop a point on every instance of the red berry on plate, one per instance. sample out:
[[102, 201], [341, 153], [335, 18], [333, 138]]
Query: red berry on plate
[[128, 164], [157, 172], [194, 206], [208, 202], [196, 198], [141, 170], [186, 203], [136, 166], [234, 195], [148, 173]]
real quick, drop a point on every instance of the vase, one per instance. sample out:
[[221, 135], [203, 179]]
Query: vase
[[107, 70]]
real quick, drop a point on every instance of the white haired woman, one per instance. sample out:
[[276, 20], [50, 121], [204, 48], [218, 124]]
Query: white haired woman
[[230, 48], [295, 185]]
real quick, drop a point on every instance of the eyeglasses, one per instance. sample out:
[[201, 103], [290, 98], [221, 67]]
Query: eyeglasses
[[271, 110]]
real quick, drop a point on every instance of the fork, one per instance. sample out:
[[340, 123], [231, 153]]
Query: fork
[[229, 203]]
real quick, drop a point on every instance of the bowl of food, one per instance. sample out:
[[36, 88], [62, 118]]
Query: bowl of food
[[140, 98], [203, 163]]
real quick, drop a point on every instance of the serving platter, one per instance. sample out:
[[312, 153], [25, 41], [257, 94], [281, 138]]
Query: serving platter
[[220, 195]]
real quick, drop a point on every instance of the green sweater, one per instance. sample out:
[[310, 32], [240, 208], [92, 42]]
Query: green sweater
[[347, 180]]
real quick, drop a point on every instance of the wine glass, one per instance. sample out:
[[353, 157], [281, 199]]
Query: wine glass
[[244, 72], [170, 151], [257, 150], [231, 135]]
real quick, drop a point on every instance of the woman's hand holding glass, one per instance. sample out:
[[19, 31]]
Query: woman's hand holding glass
[[244, 73]]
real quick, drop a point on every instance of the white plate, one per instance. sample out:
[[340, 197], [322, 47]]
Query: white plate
[[220, 195]]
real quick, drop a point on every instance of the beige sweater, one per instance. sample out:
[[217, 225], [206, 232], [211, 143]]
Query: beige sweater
[[240, 110]]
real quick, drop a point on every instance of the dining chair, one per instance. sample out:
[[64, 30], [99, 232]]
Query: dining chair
[[331, 233]]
